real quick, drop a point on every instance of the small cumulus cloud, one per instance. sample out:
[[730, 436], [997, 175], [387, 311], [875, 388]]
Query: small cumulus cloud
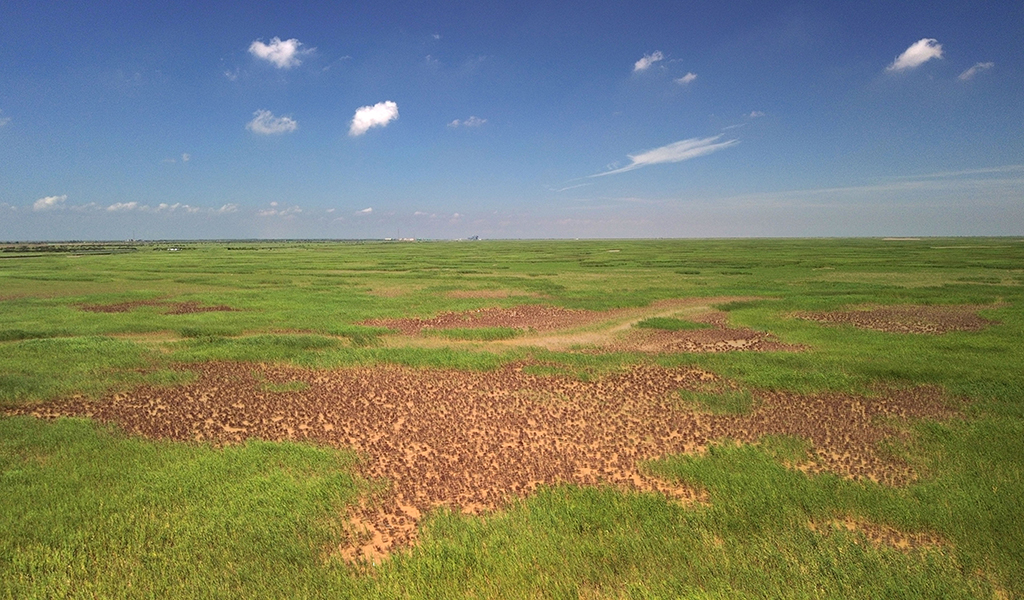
[[227, 209], [686, 79], [966, 75], [176, 207], [231, 75], [649, 59], [436, 36], [916, 55], [672, 153], [378, 115], [470, 122], [282, 54], [122, 206], [365, 211], [49, 202], [265, 123], [273, 211]]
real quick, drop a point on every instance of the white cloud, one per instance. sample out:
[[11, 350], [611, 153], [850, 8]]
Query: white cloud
[[288, 213], [265, 123], [164, 207], [978, 67], [378, 115], [916, 55], [122, 206], [283, 54], [231, 75], [365, 211], [649, 59], [227, 208], [755, 114], [685, 79], [470, 122], [49, 202], [185, 157], [676, 152]]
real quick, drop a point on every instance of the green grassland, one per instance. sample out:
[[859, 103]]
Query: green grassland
[[88, 511]]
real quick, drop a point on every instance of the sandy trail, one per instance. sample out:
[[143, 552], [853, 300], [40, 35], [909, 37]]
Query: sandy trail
[[558, 329]]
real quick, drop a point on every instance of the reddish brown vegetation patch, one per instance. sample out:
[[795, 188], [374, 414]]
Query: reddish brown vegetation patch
[[187, 308], [488, 294], [907, 319], [530, 316], [473, 440], [173, 308], [118, 307]]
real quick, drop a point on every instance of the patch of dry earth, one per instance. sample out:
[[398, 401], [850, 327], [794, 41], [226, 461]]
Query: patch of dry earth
[[472, 441]]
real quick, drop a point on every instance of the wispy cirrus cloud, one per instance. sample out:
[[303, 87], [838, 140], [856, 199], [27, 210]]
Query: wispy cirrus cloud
[[265, 123], [672, 153], [686, 79], [470, 122], [648, 59], [49, 202], [977, 68], [284, 54], [378, 115], [916, 55], [365, 211]]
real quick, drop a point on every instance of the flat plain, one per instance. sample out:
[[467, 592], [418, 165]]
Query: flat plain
[[618, 418]]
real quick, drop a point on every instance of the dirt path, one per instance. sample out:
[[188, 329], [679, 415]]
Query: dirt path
[[559, 329]]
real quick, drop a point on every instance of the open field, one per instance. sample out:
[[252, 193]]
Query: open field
[[664, 418]]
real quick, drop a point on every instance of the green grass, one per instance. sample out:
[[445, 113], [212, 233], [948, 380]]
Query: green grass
[[89, 512], [123, 517], [670, 324]]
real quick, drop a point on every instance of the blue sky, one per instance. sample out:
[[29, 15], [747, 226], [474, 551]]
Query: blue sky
[[510, 120]]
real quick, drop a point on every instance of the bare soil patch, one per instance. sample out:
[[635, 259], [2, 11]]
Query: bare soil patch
[[528, 316], [718, 338], [472, 441], [172, 308], [907, 319]]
